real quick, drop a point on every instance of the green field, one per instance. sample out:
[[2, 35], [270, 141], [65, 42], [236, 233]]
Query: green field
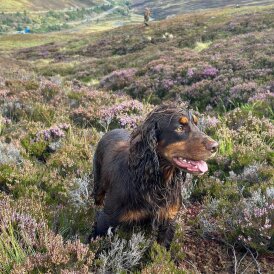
[[38, 5]]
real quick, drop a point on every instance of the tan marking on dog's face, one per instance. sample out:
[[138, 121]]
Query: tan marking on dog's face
[[170, 150], [183, 120], [133, 216]]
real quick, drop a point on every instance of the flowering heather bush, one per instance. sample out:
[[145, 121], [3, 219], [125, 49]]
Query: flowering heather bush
[[243, 91], [248, 220], [21, 234], [208, 123], [44, 142], [124, 113], [216, 76], [54, 133], [118, 79], [98, 108], [129, 122], [197, 74], [261, 96], [209, 72], [49, 89]]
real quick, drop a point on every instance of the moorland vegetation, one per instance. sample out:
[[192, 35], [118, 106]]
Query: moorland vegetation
[[58, 98]]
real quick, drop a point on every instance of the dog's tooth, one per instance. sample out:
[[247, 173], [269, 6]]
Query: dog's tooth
[[184, 160]]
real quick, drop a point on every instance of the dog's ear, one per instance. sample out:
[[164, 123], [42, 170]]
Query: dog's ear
[[143, 158]]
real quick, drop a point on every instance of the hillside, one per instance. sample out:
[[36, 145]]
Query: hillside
[[58, 16], [38, 5], [162, 9], [60, 92]]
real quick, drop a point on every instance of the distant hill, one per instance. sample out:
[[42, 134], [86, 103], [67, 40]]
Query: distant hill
[[38, 5], [164, 8]]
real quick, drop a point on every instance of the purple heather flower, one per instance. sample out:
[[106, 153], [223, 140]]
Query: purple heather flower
[[261, 96], [52, 133], [123, 108], [129, 121], [64, 126], [210, 72], [167, 83], [190, 72]]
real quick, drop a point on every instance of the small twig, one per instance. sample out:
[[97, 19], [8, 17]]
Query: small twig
[[194, 266], [241, 261], [246, 268], [255, 260], [235, 257]]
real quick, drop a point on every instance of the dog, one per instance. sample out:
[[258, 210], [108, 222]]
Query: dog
[[138, 176]]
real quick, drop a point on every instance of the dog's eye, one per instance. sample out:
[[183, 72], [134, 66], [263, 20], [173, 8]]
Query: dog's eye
[[195, 119], [179, 129]]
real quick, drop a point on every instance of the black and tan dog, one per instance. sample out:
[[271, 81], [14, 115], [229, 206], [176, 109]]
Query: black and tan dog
[[138, 176]]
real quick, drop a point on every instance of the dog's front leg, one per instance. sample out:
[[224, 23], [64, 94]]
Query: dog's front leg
[[166, 233], [103, 223]]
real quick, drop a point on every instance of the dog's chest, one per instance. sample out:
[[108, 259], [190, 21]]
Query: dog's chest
[[167, 213]]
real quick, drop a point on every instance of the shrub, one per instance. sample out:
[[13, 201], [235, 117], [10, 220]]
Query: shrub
[[49, 89], [118, 79], [122, 255], [248, 221], [21, 234], [161, 262], [9, 154], [80, 193], [125, 114]]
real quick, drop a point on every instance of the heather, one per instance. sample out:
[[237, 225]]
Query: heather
[[58, 99]]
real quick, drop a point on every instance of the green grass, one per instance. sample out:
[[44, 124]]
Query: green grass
[[201, 46], [38, 5], [16, 41], [19, 41], [10, 250]]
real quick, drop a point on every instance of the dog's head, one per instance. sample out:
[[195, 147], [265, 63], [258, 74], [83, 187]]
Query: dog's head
[[183, 144], [173, 134]]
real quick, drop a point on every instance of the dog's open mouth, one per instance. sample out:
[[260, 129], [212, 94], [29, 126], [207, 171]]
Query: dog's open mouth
[[197, 167]]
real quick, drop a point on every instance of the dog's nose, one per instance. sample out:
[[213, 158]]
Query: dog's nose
[[212, 146]]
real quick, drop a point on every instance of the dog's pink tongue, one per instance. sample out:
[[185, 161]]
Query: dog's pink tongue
[[202, 166], [192, 166]]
